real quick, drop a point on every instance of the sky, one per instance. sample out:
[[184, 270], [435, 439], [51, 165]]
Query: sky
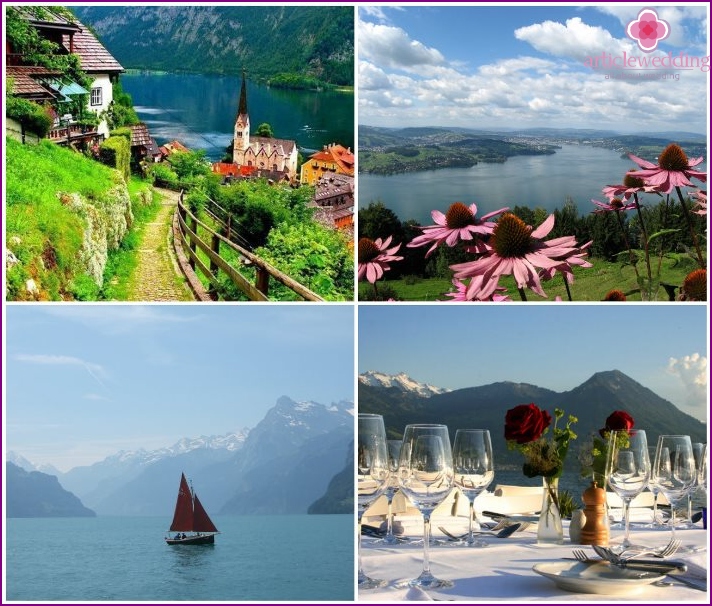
[[555, 346], [525, 66], [86, 381]]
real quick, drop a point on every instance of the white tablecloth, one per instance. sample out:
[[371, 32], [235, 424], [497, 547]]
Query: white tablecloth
[[502, 571]]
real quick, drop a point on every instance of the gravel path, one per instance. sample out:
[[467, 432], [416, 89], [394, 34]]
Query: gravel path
[[156, 277]]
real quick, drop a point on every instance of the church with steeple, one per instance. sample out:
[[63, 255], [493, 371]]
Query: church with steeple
[[259, 156]]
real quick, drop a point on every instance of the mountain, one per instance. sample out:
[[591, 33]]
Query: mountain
[[339, 495], [485, 407], [281, 466], [32, 494], [96, 483], [316, 42], [290, 457], [400, 381]]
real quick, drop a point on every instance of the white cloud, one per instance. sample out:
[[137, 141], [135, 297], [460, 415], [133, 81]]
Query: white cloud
[[574, 40], [527, 91], [692, 371], [392, 47], [119, 319], [95, 370]]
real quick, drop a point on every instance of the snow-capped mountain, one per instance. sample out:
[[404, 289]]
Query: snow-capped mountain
[[17, 459], [400, 381]]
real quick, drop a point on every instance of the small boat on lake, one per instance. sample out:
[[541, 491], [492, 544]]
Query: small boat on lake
[[191, 523]]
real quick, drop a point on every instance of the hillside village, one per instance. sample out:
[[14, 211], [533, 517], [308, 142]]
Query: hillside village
[[64, 88]]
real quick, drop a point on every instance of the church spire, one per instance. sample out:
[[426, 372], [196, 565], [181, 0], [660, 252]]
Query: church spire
[[242, 108]]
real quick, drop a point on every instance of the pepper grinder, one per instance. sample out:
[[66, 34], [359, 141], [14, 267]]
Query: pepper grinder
[[595, 531]]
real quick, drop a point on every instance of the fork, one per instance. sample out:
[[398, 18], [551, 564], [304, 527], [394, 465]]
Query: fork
[[663, 552], [581, 556]]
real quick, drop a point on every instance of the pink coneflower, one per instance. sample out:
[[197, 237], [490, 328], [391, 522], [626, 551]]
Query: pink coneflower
[[459, 223], [514, 248], [374, 257], [630, 186], [672, 170], [615, 295], [460, 293], [566, 267], [614, 205], [701, 197], [694, 288]]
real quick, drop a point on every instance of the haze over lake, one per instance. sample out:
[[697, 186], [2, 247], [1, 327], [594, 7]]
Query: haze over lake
[[199, 111], [575, 171]]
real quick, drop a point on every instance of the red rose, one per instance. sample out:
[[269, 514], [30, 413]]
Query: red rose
[[617, 421], [525, 423]]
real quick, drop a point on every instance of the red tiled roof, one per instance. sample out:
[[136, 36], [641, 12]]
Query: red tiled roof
[[173, 146], [25, 85], [140, 135], [230, 168], [339, 155], [94, 58]]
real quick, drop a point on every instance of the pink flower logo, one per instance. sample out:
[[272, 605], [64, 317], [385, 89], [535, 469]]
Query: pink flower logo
[[647, 30]]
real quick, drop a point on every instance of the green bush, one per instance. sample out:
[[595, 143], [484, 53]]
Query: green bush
[[116, 152], [122, 132], [32, 116]]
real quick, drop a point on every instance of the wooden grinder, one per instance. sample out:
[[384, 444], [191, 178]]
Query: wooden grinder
[[595, 531]]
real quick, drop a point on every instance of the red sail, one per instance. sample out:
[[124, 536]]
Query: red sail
[[201, 520], [183, 516]]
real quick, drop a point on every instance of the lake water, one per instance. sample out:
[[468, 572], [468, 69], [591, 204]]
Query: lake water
[[575, 171], [255, 558], [200, 111]]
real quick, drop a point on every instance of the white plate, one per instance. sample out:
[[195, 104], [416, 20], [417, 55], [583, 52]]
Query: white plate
[[601, 578]]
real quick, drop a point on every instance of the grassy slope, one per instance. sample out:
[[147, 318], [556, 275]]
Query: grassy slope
[[49, 234]]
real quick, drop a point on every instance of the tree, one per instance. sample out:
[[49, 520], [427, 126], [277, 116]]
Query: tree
[[264, 130]]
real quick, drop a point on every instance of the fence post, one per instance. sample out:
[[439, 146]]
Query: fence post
[[193, 224], [262, 280]]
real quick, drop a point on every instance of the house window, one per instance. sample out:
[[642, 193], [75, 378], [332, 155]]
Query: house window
[[96, 96]]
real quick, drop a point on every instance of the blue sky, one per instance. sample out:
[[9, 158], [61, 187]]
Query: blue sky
[[523, 66], [85, 381], [554, 346]]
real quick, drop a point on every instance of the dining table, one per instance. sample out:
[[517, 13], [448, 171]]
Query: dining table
[[504, 570]]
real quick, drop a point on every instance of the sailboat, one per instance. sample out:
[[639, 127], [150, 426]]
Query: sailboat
[[190, 517]]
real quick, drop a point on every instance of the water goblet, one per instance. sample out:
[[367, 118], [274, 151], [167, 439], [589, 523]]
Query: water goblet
[[473, 465], [425, 475], [674, 471], [627, 470], [372, 473]]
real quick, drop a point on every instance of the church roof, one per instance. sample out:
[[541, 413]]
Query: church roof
[[282, 146]]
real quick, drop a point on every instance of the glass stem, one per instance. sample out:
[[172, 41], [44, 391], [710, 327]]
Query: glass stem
[[655, 509], [626, 517], [360, 565], [389, 521], [672, 520], [470, 534], [689, 508], [426, 543]]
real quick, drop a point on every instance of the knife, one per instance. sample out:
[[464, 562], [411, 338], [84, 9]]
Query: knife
[[660, 567]]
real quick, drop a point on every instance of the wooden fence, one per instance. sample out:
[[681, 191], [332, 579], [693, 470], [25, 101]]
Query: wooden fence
[[193, 235]]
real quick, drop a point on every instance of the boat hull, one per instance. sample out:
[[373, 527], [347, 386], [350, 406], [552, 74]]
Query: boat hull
[[203, 539]]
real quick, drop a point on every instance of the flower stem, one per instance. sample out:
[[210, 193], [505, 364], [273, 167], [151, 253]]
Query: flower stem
[[522, 294], [645, 244], [689, 226], [633, 260], [566, 284]]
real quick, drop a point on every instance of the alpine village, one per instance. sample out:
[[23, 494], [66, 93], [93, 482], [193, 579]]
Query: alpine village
[[100, 209]]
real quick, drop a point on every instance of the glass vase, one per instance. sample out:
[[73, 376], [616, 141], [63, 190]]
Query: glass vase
[[550, 528]]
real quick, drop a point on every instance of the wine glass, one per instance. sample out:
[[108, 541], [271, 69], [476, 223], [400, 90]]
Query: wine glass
[[473, 464], [372, 467], [655, 489], [627, 470], [674, 471], [425, 475], [394, 448]]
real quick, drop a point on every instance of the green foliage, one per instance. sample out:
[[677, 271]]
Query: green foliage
[[122, 132], [313, 255], [295, 81], [163, 175], [32, 116], [116, 152], [264, 130], [42, 230], [121, 112], [189, 164]]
